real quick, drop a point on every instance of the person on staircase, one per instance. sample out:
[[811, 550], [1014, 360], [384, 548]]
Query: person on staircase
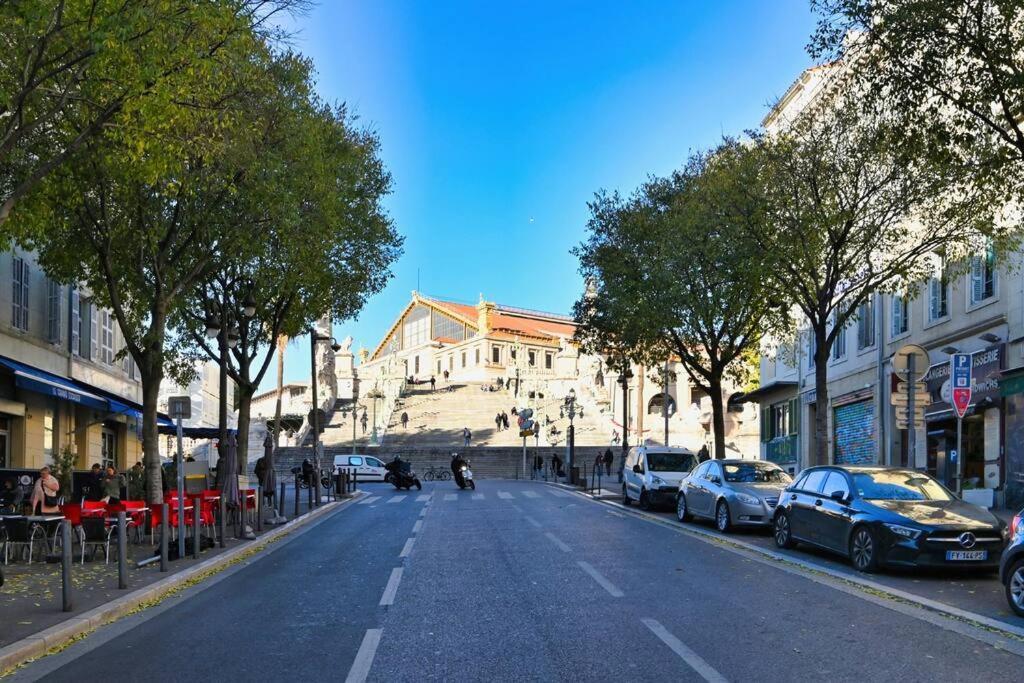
[[433, 383], [497, 421], [405, 419]]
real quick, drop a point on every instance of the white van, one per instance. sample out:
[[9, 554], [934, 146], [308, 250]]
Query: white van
[[652, 474], [365, 467]]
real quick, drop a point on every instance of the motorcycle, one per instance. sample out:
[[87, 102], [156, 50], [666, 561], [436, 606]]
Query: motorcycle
[[464, 476], [402, 477]]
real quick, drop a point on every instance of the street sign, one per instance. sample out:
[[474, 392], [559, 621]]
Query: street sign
[[960, 365], [901, 395], [179, 407], [911, 354], [525, 433]]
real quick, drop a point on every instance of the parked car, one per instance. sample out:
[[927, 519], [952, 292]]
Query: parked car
[[731, 492], [365, 467], [651, 475], [1011, 568], [883, 516]]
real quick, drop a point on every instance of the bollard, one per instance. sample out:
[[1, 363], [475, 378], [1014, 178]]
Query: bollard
[[122, 550], [221, 522], [280, 501], [65, 564], [259, 508], [309, 498], [296, 496], [338, 484], [163, 537], [196, 519], [355, 481]]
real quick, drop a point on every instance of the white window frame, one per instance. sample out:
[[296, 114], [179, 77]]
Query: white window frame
[[839, 343], [983, 268], [899, 310], [106, 337], [75, 341], [936, 284], [866, 314]]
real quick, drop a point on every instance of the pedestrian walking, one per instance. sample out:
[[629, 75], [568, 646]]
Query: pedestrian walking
[[538, 464], [467, 436], [433, 383], [608, 460], [445, 375], [504, 419], [514, 410], [501, 383], [405, 419], [703, 453], [497, 421], [363, 421], [556, 465]]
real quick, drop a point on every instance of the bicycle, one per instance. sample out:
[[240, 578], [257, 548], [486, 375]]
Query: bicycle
[[436, 473]]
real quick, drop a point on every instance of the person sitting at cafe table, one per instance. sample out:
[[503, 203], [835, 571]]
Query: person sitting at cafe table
[[11, 497], [44, 493], [111, 486]]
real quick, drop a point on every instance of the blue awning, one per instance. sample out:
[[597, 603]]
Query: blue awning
[[42, 382], [49, 384]]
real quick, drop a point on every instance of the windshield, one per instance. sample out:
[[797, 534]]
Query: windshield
[[756, 473], [671, 462], [898, 485]]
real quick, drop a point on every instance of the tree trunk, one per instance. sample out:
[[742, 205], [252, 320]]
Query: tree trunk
[[152, 373], [717, 413], [821, 435], [245, 394]]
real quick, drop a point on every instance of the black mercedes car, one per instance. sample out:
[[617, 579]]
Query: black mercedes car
[[879, 516], [1011, 569]]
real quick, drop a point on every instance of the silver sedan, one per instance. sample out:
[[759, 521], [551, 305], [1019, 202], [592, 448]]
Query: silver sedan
[[732, 492]]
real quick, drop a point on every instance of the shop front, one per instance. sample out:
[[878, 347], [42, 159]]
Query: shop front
[[853, 420], [1012, 389], [981, 438]]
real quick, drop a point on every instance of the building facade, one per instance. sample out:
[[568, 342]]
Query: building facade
[[979, 310], [533, 352], [204, 395], [65, 382]]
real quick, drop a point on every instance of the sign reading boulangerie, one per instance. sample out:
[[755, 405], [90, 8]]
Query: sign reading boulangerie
[[985, 373]]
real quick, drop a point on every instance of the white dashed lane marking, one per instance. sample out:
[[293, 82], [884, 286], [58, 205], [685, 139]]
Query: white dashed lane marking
[[417, 526], [389, 591], [561, 546], [532, 521], [450, 496], [371, 499], [478, 496], [601, 580], [364, 658], [504, 495], [692, 659], [423, 498], [396, 499], [531, 494], [407, 548]]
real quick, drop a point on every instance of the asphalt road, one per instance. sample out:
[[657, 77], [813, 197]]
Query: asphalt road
[[521, 581]]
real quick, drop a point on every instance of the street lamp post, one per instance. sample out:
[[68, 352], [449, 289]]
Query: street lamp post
[[624, 378], [315, 412], [570, 410]]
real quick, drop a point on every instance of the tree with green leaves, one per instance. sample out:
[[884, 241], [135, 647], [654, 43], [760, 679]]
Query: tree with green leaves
[[673, 272], [325, 243], [952, 72], [70, 68], [854, 209], [140, 217]]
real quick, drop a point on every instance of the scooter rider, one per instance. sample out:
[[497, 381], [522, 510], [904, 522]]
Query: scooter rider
[[457, 464]]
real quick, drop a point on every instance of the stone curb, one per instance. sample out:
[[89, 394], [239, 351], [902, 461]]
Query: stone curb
[[41, 643], [863, 583]]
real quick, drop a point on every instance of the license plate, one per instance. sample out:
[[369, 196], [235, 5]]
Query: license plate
[[957, 555]]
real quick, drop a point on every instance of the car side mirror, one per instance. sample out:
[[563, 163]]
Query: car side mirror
[[839, 496], [636, 468]]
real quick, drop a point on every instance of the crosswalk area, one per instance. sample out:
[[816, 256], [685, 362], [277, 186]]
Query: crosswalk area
[[451, 497]]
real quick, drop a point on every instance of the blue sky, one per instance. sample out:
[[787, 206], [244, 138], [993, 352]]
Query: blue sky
[[499, 122]]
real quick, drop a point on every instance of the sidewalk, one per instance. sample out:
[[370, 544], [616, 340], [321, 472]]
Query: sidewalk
[[31, 597]]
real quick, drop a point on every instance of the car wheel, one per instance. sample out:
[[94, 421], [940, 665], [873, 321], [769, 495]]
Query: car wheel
[[645, 502], [1015, 587], [682, 512], [864, 550], [783, 531], [723, 520], [625, 496]]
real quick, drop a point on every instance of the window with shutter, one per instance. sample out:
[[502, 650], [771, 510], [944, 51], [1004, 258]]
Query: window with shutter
[[983, 276], [900, 315], [866, 325], [76, 322], [794, 416], [53, 311], [19, 294], [765, 421], [107, 338], [839, 343], [94, 331]]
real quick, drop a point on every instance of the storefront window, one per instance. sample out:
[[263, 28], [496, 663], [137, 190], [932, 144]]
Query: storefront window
[[48, 437]]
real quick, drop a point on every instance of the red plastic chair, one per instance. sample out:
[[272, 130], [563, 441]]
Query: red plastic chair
[[206, 514], [73, 513], [93, 508], [136, 515]]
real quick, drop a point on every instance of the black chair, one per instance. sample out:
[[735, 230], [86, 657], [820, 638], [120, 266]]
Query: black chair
[[96, 533], [24, 534]]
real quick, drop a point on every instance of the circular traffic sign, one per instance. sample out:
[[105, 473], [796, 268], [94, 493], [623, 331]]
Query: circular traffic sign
[[911, 354]]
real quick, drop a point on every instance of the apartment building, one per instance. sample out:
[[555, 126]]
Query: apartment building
[[978, 309], [63, 381]]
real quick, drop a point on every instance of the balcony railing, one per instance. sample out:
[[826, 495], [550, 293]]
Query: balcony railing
[[781, 449]]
